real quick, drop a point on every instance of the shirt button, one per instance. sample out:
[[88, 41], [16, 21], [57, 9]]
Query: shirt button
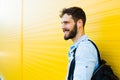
[[86, 66]]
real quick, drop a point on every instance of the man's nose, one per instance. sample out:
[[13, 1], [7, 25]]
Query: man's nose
[[62, 26]]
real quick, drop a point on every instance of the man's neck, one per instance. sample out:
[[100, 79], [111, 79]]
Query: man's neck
[[78, 36]]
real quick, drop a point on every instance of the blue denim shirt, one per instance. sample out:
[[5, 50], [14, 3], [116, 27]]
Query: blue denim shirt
[[86, 60]]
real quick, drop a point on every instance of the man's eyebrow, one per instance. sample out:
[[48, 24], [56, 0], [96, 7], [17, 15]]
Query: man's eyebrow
[[65, 22]]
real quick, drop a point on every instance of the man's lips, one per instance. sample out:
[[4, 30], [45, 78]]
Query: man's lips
[[65, 30]]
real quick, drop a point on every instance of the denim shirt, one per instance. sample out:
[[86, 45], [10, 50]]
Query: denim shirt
[[86, 60]]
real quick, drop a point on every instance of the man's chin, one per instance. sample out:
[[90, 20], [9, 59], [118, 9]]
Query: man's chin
[[66, 38]]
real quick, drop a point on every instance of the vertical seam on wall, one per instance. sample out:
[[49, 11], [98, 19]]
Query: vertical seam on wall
[[21, 47]]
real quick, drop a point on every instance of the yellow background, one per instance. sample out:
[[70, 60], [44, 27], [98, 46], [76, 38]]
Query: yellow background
[[31, 40]]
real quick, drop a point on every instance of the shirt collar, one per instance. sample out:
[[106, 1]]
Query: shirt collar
[[75, 45]]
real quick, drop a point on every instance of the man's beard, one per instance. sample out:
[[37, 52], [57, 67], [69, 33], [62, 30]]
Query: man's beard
[[72, 33]]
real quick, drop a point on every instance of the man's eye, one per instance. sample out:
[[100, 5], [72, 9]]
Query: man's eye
[[66, 22]]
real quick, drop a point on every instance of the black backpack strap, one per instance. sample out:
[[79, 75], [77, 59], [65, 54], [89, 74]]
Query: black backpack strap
[[72, 67], [98, 53]]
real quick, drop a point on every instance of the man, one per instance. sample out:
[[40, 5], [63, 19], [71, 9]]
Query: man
[[86, 61]]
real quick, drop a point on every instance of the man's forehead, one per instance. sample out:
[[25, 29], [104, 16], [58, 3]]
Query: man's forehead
[[66, 17]]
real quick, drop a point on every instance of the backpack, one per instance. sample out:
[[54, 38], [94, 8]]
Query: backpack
[[103, 72]]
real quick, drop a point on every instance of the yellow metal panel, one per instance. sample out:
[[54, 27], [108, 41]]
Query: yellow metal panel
[[44, 52], [10, 68]]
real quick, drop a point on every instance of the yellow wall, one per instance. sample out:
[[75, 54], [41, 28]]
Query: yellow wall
[[10, 54], [31, 41]]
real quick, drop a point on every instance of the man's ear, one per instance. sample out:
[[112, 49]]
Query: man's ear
[[79, 23]]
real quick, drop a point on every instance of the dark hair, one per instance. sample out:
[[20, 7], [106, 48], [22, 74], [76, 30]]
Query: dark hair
[[76, 12]]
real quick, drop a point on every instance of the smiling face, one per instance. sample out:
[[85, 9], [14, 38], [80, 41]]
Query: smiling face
[[69, 27]]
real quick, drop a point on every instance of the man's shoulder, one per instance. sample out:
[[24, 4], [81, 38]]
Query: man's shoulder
[[87, 50], [86, 46], [85, 43]]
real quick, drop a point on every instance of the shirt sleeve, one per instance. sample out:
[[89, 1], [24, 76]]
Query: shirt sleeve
[[86, 59]]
